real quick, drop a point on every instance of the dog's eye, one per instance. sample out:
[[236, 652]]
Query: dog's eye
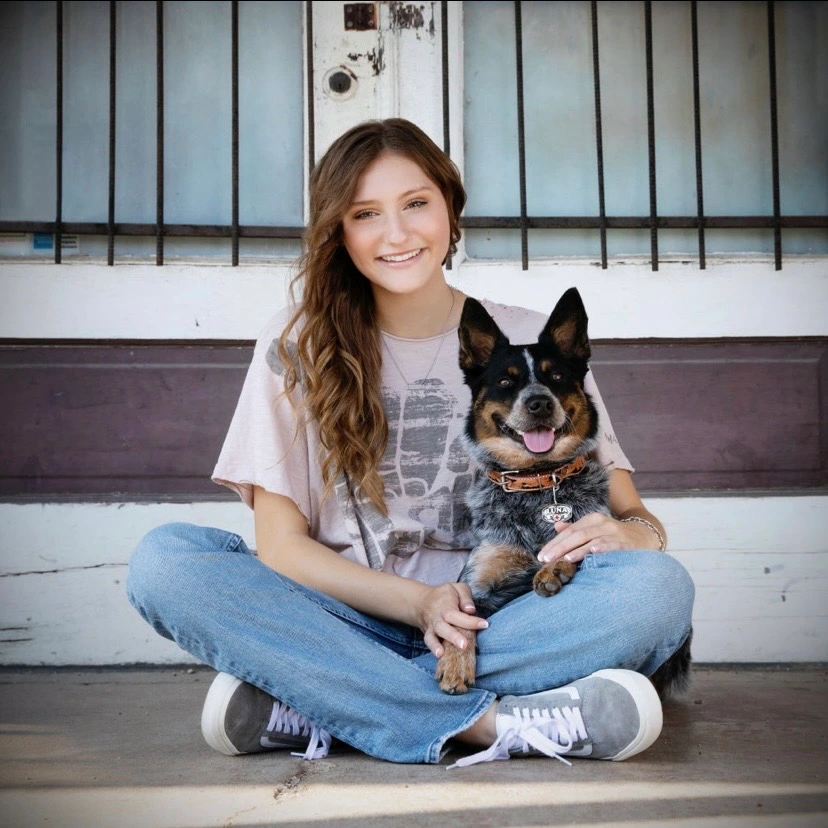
[[505, 382], [556, 376]]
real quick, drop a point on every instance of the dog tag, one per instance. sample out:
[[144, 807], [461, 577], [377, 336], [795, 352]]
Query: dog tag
[[557, 513]]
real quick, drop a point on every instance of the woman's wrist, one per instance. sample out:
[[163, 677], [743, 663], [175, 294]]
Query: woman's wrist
[[415, 594], [656, 532]]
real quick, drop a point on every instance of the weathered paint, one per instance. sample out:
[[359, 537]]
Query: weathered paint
[[760, 566], [410, 16], [387, 63]]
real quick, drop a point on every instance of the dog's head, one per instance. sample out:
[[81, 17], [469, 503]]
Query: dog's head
[[529, 408]]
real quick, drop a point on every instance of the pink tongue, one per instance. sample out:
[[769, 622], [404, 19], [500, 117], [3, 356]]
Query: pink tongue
[[539, 440]]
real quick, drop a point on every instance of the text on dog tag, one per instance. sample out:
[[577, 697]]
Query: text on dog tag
[[556, 513]]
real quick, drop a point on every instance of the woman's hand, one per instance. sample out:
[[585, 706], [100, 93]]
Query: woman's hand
[[442, 611], [595, 533], [601, 533]]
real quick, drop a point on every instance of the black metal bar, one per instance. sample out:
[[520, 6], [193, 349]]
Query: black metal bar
[[110, 241], [159, 132], [777, 233], [445, 67], [641, 222], [58, 228], [524, 235], [149, 230], [311, 108], [599, 137], [445, 87], [651, 152], [694, 29], [468, 222], [234, 232]]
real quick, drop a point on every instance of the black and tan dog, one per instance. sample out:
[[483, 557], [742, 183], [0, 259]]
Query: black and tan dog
[[532, 429]]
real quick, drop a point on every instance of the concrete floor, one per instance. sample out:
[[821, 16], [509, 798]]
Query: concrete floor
[[122, 748]]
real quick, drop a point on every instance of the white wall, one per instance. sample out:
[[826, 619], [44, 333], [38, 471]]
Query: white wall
[[760, 566], [731, 298]]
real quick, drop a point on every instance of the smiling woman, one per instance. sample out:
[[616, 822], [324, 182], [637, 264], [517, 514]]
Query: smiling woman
[[384, 188], [357, 470]]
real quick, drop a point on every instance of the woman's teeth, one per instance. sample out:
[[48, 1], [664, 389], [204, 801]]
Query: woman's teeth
[[402, 257]]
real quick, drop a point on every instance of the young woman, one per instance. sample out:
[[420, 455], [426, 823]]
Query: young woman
[[347, 444]]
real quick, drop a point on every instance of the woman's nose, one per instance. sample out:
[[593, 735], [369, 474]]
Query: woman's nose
[[396, 230]]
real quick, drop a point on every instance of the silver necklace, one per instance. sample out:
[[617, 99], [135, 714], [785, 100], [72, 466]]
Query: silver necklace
[[436, 353]]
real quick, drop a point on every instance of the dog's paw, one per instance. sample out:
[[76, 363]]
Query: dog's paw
[[546, 583], [565, 570], [456, 668], [551, 577]]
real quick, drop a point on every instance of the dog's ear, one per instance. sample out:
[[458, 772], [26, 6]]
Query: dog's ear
[[479, 335], [567, 326]]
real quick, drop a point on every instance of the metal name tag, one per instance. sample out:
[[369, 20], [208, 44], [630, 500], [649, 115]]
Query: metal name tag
[[556, 513]]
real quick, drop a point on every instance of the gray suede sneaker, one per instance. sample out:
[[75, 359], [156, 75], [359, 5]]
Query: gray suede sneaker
[[612, 714], [239, 718]]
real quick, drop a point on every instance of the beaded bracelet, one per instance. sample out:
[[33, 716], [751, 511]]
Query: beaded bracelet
[[661, 544]]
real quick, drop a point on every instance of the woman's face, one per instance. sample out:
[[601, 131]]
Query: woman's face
[[397, 230]]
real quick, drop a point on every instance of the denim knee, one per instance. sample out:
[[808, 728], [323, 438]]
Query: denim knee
[[667, 593], [655, 595], [164, 559], [148, 565], [678, 587], [149, 560]]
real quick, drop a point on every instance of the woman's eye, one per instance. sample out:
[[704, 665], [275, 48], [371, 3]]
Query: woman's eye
[[363, 214], [505, 382], [418, 202]]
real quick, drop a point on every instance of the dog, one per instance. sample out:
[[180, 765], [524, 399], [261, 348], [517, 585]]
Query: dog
[[532, 429]]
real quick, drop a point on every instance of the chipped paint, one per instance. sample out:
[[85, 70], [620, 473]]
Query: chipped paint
[[410, 16], [61, 570], [375, 58]]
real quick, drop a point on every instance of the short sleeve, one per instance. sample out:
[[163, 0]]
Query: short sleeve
[[266, 444], [609, 449]]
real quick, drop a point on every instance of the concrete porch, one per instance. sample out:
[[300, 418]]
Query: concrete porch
[[121, 747]]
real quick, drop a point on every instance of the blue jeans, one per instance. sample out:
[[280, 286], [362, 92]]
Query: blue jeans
[[370, 683]]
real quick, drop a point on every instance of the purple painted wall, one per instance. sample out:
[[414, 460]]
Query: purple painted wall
[[114, 421]]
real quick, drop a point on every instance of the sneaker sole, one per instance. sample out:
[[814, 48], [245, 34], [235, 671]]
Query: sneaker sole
[[649, 709], [214, 711]]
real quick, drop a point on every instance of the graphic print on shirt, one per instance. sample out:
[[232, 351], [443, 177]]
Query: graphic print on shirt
[[426, 471], [426, 463]]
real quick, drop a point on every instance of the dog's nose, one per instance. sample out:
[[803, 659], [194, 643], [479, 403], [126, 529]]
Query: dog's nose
[[539, 405]]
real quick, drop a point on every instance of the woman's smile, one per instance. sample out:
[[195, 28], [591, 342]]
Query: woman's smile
[[401, 258]]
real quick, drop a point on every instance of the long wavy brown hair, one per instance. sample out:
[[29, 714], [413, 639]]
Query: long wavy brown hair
[[336, 359]]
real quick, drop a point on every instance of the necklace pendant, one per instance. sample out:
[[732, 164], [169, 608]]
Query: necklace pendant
[[557, 513], [421, 382]]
